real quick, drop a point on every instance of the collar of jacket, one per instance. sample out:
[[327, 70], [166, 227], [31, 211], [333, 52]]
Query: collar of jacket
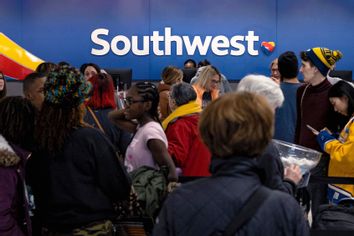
[[234, 165], [7, 155], [23, 154], [325, 84], [187, 109]]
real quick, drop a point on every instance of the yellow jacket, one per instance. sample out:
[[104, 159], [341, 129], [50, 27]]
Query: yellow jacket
[[342, 155]]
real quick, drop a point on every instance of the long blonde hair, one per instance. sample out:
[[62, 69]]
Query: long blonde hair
[[205, 76]]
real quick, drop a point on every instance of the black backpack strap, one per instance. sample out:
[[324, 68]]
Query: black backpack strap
[[248, 210]]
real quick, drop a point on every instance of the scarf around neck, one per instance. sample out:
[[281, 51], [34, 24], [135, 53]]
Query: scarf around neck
[[186, 109]]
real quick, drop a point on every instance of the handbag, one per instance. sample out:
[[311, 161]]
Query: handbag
[[131, 218]]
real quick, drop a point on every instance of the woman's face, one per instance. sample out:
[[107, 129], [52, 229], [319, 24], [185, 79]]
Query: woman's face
[[214, 82], [134, 105], [2, 82], [89, 72], [340, 104]]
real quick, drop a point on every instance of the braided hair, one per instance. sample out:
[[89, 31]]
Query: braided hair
[[149, 92], [17, 117]]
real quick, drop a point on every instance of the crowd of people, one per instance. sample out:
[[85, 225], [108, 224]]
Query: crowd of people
[[69, 154]]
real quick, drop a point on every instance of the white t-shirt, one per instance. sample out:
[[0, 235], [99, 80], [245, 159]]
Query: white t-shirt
[[138, 153]]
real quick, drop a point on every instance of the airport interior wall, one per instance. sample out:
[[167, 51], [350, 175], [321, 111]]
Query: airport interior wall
[[148, 35]]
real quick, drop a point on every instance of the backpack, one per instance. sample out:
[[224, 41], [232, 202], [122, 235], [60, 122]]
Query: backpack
[[150, 186], [334, 217]]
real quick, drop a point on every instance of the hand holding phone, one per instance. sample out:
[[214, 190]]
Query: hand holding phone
[[314, 131]]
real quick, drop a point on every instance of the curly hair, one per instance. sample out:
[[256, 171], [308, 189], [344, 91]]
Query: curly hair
[[17, 117], [55, 124], [63, 109], [149, 92]]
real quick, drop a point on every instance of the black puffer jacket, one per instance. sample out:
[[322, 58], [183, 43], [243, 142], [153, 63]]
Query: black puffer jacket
[[272, 171], [206, 206]]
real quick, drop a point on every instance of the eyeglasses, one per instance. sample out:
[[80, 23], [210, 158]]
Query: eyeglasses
[[129, 101], [215, 81]]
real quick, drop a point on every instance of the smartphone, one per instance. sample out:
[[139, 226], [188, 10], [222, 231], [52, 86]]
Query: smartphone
[[314, 131]]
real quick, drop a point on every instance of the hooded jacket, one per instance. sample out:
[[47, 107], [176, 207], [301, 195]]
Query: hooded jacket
[[14, 218]]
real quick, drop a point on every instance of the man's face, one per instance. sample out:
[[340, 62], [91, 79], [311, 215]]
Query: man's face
[[307, 71], [36, 94]]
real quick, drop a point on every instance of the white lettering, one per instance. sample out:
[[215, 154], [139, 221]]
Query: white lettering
[[240, 48], [156, 39], [220, 42], [114, 45], [197, 43], [162, 44], [250, 38], [168, 39], [140, 52], [95, 39]]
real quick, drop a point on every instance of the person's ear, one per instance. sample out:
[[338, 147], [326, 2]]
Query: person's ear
[[28, 96], [172, 103], [345, 99], [147, 105], [316, 69]]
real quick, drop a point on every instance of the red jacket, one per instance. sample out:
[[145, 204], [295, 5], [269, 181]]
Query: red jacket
[[186, 148]]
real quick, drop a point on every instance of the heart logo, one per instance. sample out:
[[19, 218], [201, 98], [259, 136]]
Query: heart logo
[[267, 47]]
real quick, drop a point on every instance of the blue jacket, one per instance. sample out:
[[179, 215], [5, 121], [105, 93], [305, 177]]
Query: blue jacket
[[208, 205]]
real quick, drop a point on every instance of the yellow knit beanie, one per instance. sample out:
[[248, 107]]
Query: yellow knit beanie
[[323, 58]]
